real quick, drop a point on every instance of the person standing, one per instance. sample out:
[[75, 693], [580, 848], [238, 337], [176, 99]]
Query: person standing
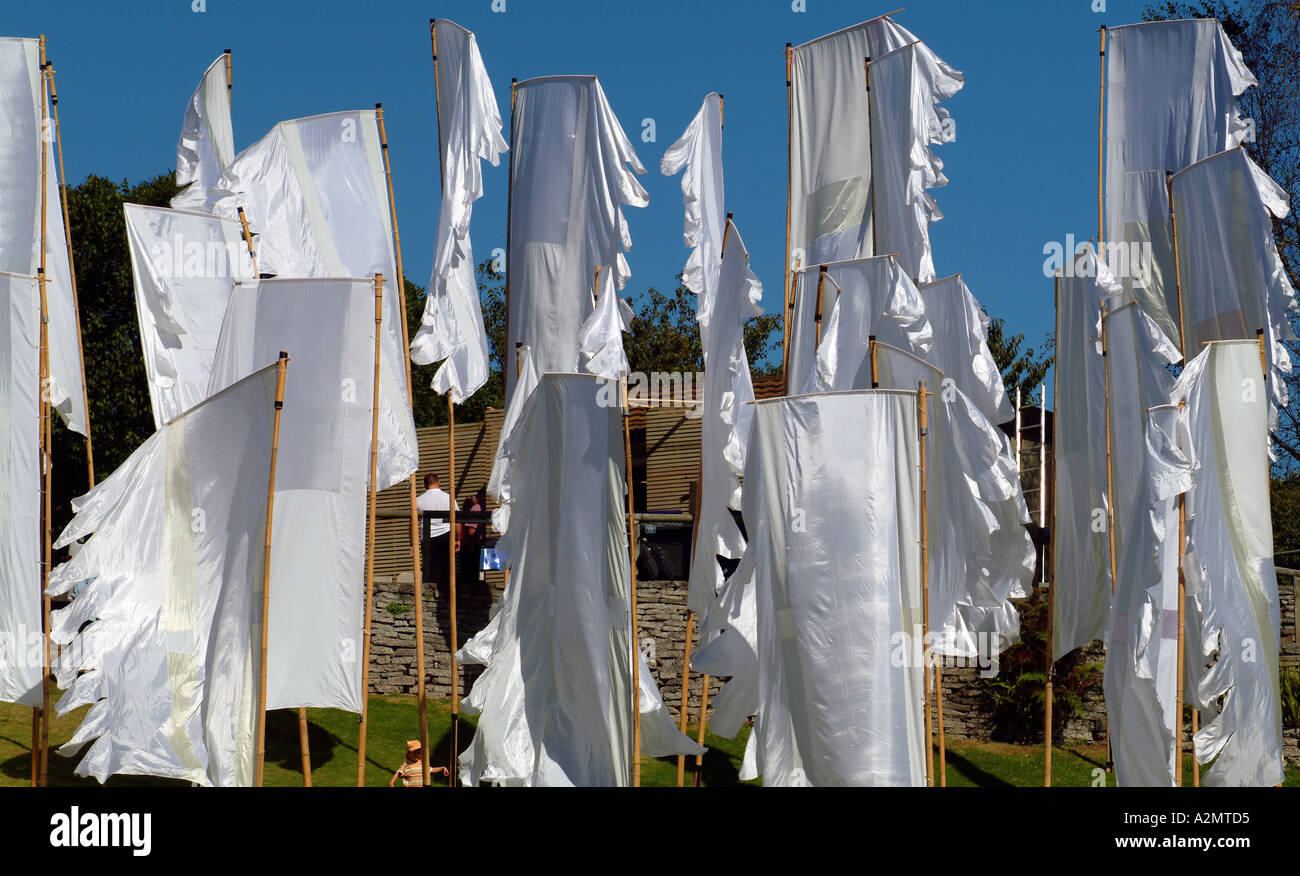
[[436, 535]]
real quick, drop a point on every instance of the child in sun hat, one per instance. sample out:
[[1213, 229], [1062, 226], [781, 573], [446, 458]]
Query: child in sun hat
[[411, 773]]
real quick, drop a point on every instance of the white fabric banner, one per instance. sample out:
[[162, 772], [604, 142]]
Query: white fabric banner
[[319, 542], [1231, 582], [469, 125], [313, 190], [905, 122], [1233, 280], [960, 347], [831, 578], [830, 137], [184, 265], [555, 702], [1143, 258], [726, 415], [169, 655], [1080, 543], [699, 152], [21, 632], [1171, 90], [207, 144], [863, 297]]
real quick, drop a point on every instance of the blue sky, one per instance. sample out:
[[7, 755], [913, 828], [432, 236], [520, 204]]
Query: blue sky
[[1022, 171]]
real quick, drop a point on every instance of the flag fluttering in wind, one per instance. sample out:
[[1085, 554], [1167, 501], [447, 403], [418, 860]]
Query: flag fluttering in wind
[[1080, 535], [699, 153], [21, 628], [1233, 617], [164, 641], [858, 298], [451, 330], [184, 265], [726, 417], [207, 144], [1233, 280], [906, 86], [318, 546], [960, 347], [827, 600], [830, 137], [314, 192], [555, 702]]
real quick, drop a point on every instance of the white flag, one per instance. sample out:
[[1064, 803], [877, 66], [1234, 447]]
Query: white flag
[[319, 542], [21, 631], [726, 415], [699, 152], [1229, 570], [451, 329], [555, 702], [184, 265], [207, 144], [1142, 254], [960, 348], [164, 642], [905, 122], [833, 507]]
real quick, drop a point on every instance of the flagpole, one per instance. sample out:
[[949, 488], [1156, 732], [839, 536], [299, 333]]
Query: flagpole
[[871, 158], [230, 82], [248, 239], [1110, 484], [871, 349], [370, 538], [923, 422], [72, 270], [1178, 271], [631, 554], [1050, 669], [304, 750], [47, 455], [786, 301], [510, 196], [422, 703], [280, 368], [817, 313], [1101, 146], [1182, 640]]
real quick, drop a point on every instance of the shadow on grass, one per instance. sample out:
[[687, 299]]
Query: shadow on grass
[[978, 776]]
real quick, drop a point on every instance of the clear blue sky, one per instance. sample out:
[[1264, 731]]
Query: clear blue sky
[[1022, 170]]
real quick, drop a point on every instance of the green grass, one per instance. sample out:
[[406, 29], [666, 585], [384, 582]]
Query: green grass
[[333, 736]]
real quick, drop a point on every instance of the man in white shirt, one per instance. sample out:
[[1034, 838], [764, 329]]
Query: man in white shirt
[[437, 534]]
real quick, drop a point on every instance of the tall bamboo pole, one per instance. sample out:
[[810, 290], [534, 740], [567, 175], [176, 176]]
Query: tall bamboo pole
[[817, 312], [370, 539], [1196, 764], [304, 750], [230, 81], [1101, 147], [787, 301], [631, 556], [422, 703], [248, 239], [47, 454], [451, 596], [1178, 270], [871, 350], [510, 200], [1182, 639], [264, 635], [72, 267], [1110, 484], [1049, 670], [923, 422], [871, 159]]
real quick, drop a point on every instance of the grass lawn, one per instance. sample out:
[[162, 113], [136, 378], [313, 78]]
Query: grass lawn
[[333, 739]]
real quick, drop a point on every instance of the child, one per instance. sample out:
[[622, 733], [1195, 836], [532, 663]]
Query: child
[[412, 773]]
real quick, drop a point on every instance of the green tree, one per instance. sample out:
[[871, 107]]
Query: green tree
[[1023, 367]]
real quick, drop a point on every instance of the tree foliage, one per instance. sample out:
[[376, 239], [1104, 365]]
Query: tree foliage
[[1023, 367]]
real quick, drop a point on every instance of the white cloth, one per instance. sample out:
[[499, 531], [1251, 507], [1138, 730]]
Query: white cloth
[[1143, 258], [555, 702], [435, 499], [828, 596], [207, 144], [1171, 90], [184, 265], [21, 632], [1080, 545], [699, 152], [469, 129], [960, 348], [313, 191], [170, 657], [319, 544], [905, 122], [1233, 280], [727, 416], [600, 339], [830, 162], [1231, 582]]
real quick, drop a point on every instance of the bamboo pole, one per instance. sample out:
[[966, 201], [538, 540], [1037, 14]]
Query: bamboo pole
[[451, 599], [230, 81], [817, 312], [422, 703], [1049, 670], [1182, 639], [1110, 484], [787, 300], [1178, 270], [72, 267], [510, 200], [264, 634], [685, 704], [47, 465], [871, 159], [1196, 764], [248, 239], [921, 402], [303, 747], [871, 349], [631, 555], [370, 539], [1101, 147]]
